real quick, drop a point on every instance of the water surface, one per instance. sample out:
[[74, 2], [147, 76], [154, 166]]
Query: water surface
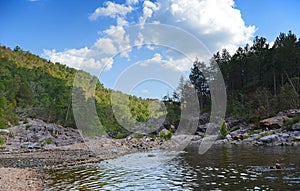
[[221, 168]]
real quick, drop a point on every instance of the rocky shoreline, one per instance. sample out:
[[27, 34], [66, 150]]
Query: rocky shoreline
[[34, 146], [24, 158], [280, 130]]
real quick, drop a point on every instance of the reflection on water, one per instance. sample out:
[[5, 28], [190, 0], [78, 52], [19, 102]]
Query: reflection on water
[[221, 168]]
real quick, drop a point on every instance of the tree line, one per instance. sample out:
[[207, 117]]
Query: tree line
[[260, 79]]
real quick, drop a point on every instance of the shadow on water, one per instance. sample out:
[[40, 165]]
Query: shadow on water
[[221, 168]]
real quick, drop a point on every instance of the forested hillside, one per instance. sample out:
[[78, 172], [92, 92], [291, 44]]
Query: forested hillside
[[34, 87], [260, 79]]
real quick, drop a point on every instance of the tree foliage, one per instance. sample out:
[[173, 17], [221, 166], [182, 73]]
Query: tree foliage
[[34, 87]]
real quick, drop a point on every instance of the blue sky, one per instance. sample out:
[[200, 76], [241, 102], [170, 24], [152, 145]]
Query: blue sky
[[102, 38]]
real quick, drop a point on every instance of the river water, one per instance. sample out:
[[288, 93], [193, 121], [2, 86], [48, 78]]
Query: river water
[[223, 167]]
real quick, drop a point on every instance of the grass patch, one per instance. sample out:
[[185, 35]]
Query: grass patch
[[138, 136], [292, 121], [234, 128], [2, 141], [265, 134], [27, 126], [49, 141], [254, 131], [153, 136], [120, 136]]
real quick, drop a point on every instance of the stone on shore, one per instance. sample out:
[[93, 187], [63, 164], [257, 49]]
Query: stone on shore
[[269, 139], [296, 127], [273, 122]]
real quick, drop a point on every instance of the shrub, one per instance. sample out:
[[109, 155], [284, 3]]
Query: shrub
[[166, 136], [223, 129], [292, 121]]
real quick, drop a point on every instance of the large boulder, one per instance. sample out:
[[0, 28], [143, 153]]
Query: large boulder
[[4, 131], [273, 122], [296, 127], [150, 126], [269, 139]]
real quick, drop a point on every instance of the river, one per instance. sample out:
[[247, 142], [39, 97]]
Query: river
[[223, 167]]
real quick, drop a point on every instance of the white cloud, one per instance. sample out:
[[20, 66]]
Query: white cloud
[[148, 9], [105, 46], [79, 58], [132, 2], [217, 24], [145, 91], [177, 65], [111, 10]]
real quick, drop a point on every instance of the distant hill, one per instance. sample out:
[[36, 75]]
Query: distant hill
[[31, 86]]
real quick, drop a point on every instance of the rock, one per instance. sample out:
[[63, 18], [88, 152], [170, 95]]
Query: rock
[[165, 131], [29, 145], [235, 122], [196, 138], [296, 127], [238, 137], [204, 118], [273, 122], [285, 135], [150, 126], [4, 131], [228, 136], [201, 129], [269, 139]]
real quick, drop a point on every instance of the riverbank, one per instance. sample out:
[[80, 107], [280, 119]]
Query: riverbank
[[26, 166], [16, 179]]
